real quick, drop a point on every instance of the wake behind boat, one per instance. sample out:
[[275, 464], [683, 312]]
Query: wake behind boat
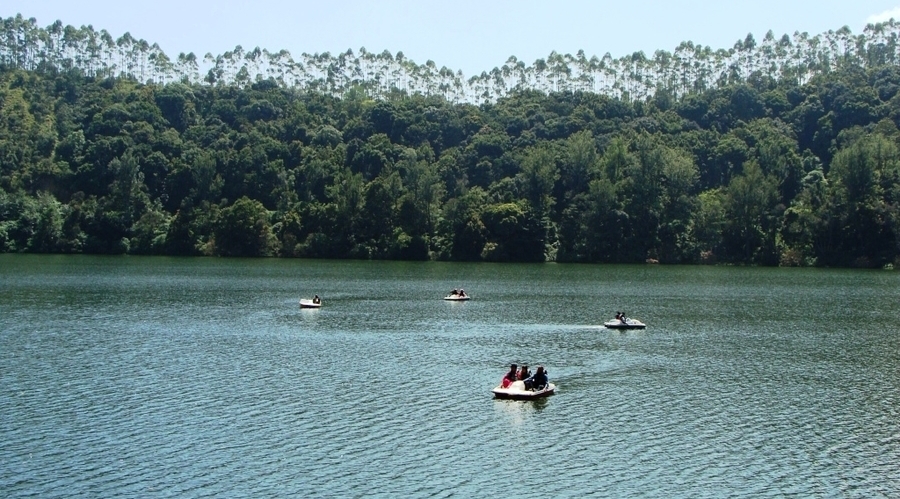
[[517, 391]]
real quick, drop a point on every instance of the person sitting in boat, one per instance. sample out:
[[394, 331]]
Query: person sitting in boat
[[538, 381], [462, 293], [523, 373], [509, 377], [455, 292], [317, 300], [622, 318]]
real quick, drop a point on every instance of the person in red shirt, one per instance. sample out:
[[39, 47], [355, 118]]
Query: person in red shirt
[[509, 377]]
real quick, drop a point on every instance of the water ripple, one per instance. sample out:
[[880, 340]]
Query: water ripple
[[120, 381]]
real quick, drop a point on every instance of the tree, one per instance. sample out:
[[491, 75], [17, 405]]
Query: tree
[[864, 176], [376, 223], [512, 234], [708, 224], [243, 229], [580, 162], [461, 232], [680, 176], [750, 202]]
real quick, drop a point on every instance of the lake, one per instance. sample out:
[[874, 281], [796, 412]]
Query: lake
[[199, 377]]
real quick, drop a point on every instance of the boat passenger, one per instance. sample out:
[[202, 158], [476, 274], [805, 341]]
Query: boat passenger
[[509, 377], [538, 381], [317, 300], [462, 293], [523, 373], [455, 292]]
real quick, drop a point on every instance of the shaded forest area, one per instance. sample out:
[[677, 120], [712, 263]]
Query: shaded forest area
[[762, 167]]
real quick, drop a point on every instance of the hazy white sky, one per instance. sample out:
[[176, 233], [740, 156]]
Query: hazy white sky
[[471, 35]]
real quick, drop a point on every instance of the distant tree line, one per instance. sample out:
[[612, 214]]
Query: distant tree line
[[778, 167], [689, 68]]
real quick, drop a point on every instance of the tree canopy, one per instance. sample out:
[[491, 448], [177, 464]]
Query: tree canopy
[[771, 153]]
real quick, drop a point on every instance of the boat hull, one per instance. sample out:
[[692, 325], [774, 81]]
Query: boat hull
[[517, 391], [309, 304], [631, 324], [457, 298]]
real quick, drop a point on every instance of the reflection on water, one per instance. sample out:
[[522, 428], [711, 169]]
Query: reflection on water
[[520, 412], [203, 377]]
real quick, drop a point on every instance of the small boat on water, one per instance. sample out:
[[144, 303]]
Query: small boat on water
[[517, 391], [452, 297], [624, 324], [307, 303], [457, 295]]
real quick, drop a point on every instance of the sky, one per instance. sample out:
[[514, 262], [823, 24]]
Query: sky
[[468, 35]]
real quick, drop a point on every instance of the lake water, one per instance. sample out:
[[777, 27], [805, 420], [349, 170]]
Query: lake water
[[164, 377]]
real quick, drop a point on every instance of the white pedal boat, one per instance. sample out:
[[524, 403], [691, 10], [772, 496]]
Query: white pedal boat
[[628, 324], [457, 297], [307, 303], [517, 391]]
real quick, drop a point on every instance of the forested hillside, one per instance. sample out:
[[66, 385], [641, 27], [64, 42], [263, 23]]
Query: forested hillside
[[788, 159]]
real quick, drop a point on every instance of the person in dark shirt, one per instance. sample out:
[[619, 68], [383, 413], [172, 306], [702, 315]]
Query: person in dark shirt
[[538, 381]]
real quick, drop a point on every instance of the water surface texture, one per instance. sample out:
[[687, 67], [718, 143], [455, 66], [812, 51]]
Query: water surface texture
[[163, 377]]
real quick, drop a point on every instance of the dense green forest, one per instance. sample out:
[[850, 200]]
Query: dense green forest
[[785, 152]]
